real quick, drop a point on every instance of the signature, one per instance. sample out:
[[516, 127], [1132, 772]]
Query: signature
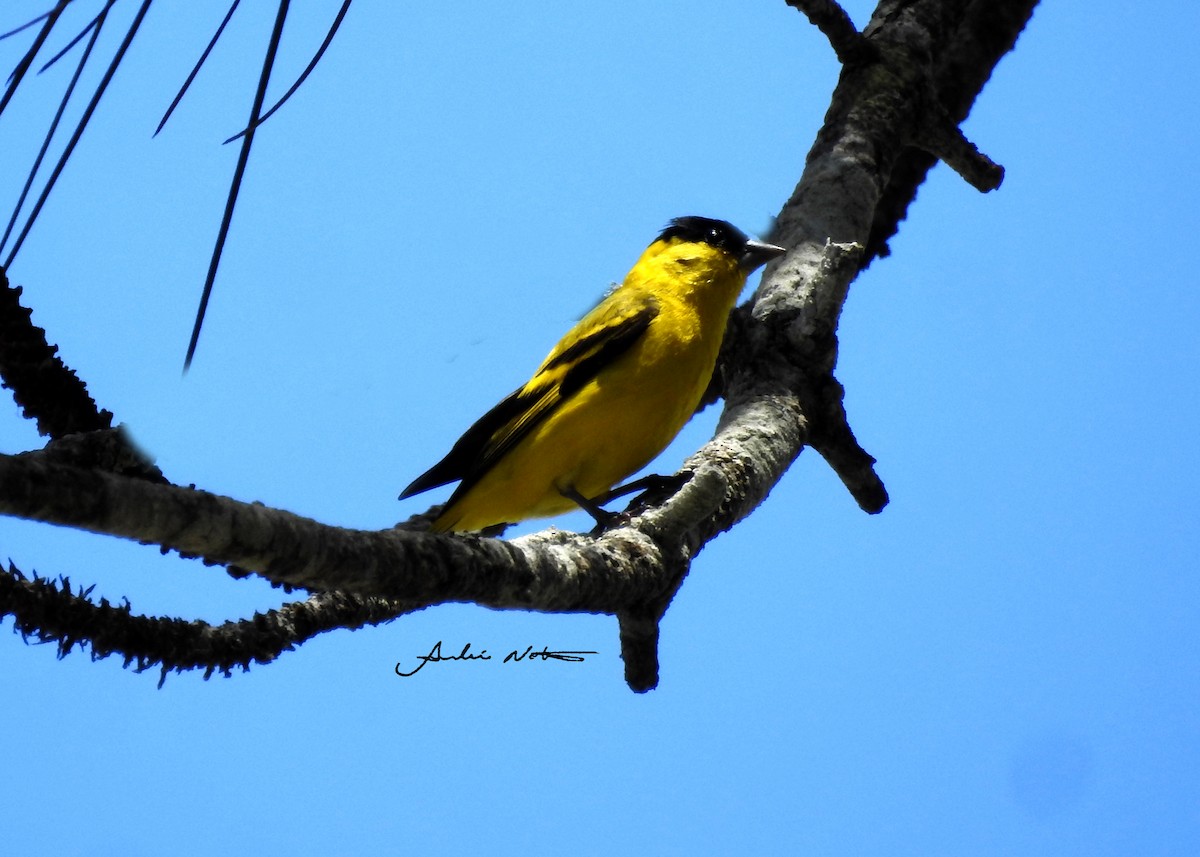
[[465, 654]]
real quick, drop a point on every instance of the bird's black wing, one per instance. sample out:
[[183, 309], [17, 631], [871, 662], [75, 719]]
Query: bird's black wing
[[458, 462], [606, 334]]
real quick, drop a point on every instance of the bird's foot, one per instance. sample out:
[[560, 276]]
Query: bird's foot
[[654, 488]]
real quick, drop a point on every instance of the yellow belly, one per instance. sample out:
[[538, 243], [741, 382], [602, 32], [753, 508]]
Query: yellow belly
[[610, 428]]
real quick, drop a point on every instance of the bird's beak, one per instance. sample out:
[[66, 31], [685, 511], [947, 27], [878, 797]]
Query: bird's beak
[[759, 253]]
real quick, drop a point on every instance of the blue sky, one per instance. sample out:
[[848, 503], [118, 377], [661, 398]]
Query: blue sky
[[1005, 661]]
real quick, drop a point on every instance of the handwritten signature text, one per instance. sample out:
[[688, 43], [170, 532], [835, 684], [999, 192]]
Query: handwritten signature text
[[515, 656]]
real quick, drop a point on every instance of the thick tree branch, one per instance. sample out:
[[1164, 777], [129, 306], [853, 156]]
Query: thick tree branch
[[962, 65], [553, 571]]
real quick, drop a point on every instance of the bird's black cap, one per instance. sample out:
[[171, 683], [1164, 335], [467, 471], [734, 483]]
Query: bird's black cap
[[724, 236], [718, 233]]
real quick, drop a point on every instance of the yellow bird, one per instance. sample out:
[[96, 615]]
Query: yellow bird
[[612, 394]]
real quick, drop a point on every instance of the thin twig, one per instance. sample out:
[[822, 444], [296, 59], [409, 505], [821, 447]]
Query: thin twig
[[939, 136], [337, 22], [238, 172], [96, 26], [25, 26], [196, 68], [831, 19], [18, 74], [103, 13], [83, 121]]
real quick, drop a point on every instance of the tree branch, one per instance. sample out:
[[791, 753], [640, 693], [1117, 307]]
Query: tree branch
[[831, 19], [941, 137], [42, 385], [553, 571], [962, 65], [49, 392], [49, 611]]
